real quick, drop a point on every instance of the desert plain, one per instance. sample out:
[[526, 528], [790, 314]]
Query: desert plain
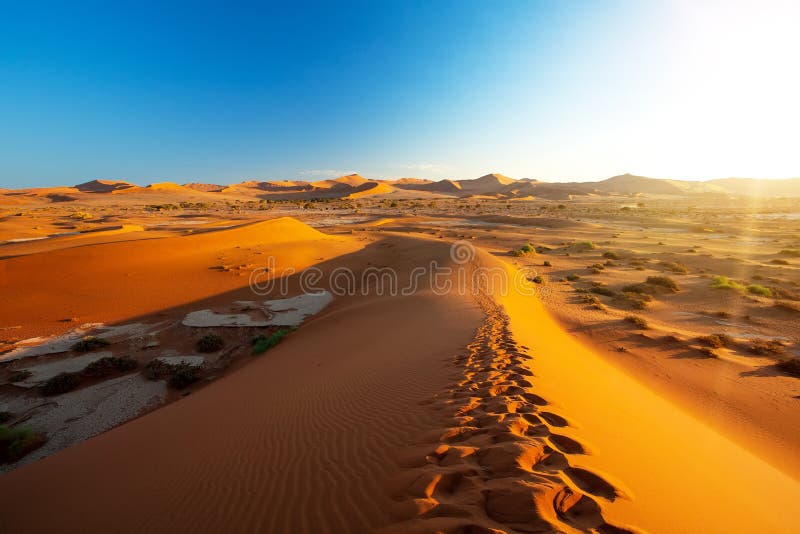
[[165, 366]]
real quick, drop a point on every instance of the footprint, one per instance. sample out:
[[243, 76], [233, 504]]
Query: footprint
[[591, 483], [566, 444]]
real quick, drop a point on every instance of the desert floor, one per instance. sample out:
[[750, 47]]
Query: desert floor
[[611, 388]]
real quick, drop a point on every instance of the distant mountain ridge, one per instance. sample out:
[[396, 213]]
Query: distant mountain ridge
[[493, 185]]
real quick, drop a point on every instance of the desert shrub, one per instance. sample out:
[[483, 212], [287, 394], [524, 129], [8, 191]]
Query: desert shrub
[[663, 281], [778, 261], [525, 250], [537, 279], [90, 343], [637, 301], [156, 369], [757, 289], [765, 347], [674, 267], [263, 343], [585, 245], [17, 442], [61, 383], [791, 252], [109, 364], [716, 340], [723, 282], [635, 288], [183, 377], [5, 416], [597, 266], [19, 376], [707, 352], [210, 343], [781, 293], [790, 367], [611, 255], [572, 277], [638, 321], [787, 305], [601, 290], [547, 264]]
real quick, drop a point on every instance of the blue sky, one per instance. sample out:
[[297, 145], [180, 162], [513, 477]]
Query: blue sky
[[552, 90]]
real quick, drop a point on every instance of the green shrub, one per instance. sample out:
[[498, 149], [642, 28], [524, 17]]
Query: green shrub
[[638, 321], [601, 290], [157, 369], [61, 383], [17, 442], [525, 250], [263, 343], [611, 255], [757, 289], [572, 277], [723, 282], [210, 343], [90, 343], [585, 245], [663, 281], [183, 377], [637, 301]]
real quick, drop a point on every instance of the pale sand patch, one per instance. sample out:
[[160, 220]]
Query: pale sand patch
[[46, 371], [191, 361], [79, 415], [282, 312]]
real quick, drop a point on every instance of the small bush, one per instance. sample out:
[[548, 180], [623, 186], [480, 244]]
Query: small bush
[[707, 352], [183, 377], [210, 343], [5, 416], [157, 369], [61, 383], [663, 281], [585, 245], [606, 292], [547, 264], [90, 343], [537, 279], [716, 340], [611, 255], [638, 321], [764, 347], [778, 261], [637, 301], [263, 343], [17, 442], [674, 267], [19, 376], [723, 282], [635, 288], [760, 290], [109, 364], [573, 277], [790, 367], [524, 250]]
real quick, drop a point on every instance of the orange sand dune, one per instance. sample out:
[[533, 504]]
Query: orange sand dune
[[113, 281]]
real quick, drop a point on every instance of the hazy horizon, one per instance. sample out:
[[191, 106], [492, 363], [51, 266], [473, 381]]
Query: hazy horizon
[[551, 91]]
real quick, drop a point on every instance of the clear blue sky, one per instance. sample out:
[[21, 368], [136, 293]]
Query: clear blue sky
[[222, 92]]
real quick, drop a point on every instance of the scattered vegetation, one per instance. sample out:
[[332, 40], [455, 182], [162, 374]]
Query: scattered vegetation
[[61, 383], [90, 343], [537, 279], [179, 376], [638, 321], [611, 255], [210, 343], [183, 377], [602, 290], [585, 245], [262, 344], [723, 282], [547, 264], [707, 352], [663, 281], [572, 277], [17, 442]]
